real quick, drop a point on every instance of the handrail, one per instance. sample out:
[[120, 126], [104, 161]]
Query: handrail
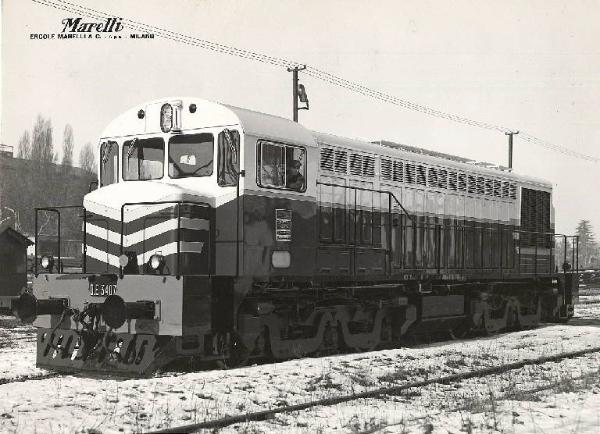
[[178, 203], [372, 191], [425, 256], [56, 209]]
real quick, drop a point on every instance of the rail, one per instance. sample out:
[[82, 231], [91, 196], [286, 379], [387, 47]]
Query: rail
[[226, 421]]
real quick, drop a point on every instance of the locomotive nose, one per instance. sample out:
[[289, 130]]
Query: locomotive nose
[[27, 307], [116, 311]]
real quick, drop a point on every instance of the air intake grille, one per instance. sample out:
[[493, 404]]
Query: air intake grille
[[327, 159], [535, 215], [386, 169], [334, 160], [368, 166], [407, 172]]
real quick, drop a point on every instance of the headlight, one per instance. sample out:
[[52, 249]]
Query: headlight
[[156, 261], [166, 118], [46, 262]]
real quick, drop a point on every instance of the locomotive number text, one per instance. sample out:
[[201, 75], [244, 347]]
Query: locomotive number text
[[102, 289]]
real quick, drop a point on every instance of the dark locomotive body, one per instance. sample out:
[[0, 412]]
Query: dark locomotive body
[[280, 242], [13, 266]]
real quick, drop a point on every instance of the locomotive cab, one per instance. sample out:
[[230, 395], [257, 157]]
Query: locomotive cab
[[192, 196]]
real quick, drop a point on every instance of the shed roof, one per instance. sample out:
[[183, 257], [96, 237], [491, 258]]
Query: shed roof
[[16, 236]]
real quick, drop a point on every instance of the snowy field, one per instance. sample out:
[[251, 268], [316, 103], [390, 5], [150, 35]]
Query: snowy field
[[554, 397]]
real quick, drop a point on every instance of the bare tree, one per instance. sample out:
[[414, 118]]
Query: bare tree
[[587, 243], [86, 159], [67, 149], [24, 148], [42, 147]]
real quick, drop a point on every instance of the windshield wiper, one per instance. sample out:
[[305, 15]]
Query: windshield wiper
[[132, 147]]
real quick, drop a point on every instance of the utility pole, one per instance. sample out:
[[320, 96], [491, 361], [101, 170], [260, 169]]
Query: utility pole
[[294, 72], [510, 135]]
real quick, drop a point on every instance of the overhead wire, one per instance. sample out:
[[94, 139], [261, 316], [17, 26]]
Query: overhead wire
[[315, 73]]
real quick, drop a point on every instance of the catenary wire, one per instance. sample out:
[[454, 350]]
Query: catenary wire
[[312, 72]]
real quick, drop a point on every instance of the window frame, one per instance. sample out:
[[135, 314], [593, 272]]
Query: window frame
[[221, 155], [117, 178], [162, 161], [168, 154], [259, 145]]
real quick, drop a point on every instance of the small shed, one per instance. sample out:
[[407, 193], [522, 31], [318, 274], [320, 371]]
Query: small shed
[[13, 265]]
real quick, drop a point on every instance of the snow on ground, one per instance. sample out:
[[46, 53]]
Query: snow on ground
[[488, 405], [17, 350], [79, 404], [519, 401]]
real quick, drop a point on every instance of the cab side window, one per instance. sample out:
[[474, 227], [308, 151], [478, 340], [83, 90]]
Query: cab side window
[[281, 166], [109, 163], [228, 158]]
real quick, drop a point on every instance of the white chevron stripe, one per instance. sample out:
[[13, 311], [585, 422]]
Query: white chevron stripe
[[102, 256], [166, 250], [171, 249], [152, 231], [103, 233], [132, 212]]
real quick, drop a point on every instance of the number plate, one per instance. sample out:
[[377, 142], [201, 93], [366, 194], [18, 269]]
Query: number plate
[[103, 289], [103, 285]]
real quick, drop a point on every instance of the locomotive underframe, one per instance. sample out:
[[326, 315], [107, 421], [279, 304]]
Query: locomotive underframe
[[244, 320]]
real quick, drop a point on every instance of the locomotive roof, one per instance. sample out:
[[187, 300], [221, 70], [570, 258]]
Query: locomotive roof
[[210, 113], [412, 153]]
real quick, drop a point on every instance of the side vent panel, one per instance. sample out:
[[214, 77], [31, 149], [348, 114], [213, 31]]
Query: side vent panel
[[386, 169], [355, 164], [326, 162], [341, 162]]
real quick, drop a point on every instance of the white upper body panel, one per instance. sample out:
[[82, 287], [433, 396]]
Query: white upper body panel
[[208, 114], [202, 115]]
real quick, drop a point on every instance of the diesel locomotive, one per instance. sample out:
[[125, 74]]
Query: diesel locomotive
[[218, 233]]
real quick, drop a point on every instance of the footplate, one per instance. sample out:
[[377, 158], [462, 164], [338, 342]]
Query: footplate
[[110, 353]]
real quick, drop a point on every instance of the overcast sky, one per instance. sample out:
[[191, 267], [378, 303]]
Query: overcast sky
[[529, 65]]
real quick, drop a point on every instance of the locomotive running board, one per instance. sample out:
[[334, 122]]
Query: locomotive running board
[[113, 354]]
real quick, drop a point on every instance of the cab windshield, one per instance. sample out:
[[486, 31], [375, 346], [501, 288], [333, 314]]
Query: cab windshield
[[191, 155], [143, 159]]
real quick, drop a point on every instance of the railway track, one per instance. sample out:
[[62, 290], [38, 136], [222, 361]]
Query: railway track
[[586, 301], [391, 390], [24, 378]]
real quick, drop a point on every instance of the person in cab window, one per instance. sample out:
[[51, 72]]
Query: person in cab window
[[294, 180], [269, 175]]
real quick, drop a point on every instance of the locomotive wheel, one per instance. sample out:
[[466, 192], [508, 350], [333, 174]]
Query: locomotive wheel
[[460, 332], [482, 327], [262, 347], [238, 354], [512, 320], [386, 331], [330, 338], [330, 342]]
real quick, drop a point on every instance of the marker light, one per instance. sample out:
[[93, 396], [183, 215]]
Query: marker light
[[156, 261], [123, 260], [170, 116], [166, 118], [46, 262]]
